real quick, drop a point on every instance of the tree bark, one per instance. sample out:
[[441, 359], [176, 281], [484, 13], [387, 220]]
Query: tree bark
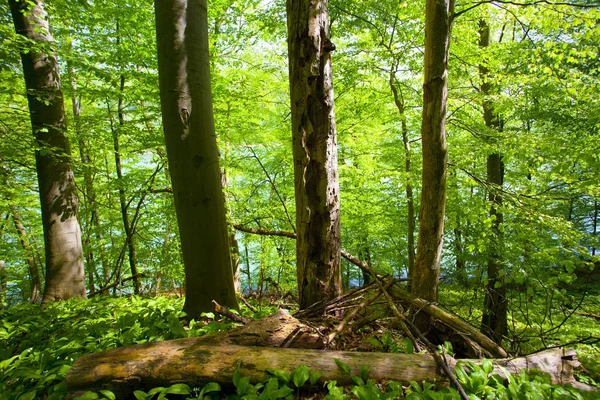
[[146, 366], [495, 308], [433, 137], [58, 197], [186, 102], [315, 152], [192, 361]]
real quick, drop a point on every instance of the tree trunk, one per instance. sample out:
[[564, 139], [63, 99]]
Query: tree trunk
[[36, 285], [196, 363], [58, 197], [493, 320], [315, 152], [433, 137], [186, 100], [127, 225], [89, 192], [399, 101]]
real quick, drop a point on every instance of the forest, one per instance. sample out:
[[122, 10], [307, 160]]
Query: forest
[[299, 199]]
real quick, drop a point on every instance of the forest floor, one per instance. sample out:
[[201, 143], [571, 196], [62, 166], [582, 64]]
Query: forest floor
[[39, 346]]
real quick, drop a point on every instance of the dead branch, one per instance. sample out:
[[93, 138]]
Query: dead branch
[[219, 309]]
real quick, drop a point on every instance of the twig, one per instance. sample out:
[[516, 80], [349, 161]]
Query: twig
[[247, 304], [112, 285], [219, 309], [274, 188], [350, 316]]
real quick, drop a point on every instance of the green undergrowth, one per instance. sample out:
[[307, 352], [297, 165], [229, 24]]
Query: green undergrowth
[[479, 382], [539, 322], [38, 347]]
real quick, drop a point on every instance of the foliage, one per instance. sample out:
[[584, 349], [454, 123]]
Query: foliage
[[38, 346]]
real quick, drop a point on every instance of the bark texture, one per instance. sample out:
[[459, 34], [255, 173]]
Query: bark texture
[[186, 100], [495, 307], [433, 137], [146, 366], [315, 152], [58, 196]]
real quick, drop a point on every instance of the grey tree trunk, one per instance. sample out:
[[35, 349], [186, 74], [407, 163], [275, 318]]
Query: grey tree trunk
[[58, 197], [495, 306], [315, 153], [186, 100], [438, 17]]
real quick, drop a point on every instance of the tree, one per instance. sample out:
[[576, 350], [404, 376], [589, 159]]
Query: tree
[[493, 320], [438, 19], [58, 197], [314, 151], [186, 100]]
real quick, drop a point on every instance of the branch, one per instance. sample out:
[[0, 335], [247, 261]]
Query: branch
[[162, 190], [219, 309], [112, 285], [264, 232], [525, 4]]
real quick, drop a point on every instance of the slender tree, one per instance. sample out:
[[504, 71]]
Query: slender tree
[[34, 276], [314, 151], [493, 320], [186, 100], [58, 197], [438, 19]]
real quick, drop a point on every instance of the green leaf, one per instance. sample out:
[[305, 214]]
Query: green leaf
[[343, 366], [364, 372], [178, 388], [315, 376], [373, 341], [408, 346], [210, 388], [280, 374], [108, 394], [139, 395], [282, 392], [300, 375]]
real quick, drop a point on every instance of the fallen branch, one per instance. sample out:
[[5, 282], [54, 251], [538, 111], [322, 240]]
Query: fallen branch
[[219, 309], [247, 304]]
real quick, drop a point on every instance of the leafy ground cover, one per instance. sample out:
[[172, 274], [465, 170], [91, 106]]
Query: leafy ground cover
[[38, 347]]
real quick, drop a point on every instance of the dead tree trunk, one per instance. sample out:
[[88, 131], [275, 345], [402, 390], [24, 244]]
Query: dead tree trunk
[[150, 365]]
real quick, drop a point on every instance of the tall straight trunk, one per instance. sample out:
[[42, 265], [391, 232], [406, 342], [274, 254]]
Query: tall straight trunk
[[58, 197], [399, 101], [34, 275], [493, 320], [127, 225], [314, 151], [186, 100], [438, 17], [89, 190]]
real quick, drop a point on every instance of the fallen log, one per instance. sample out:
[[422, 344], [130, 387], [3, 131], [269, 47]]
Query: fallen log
[[165, 363], [191, 361]]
